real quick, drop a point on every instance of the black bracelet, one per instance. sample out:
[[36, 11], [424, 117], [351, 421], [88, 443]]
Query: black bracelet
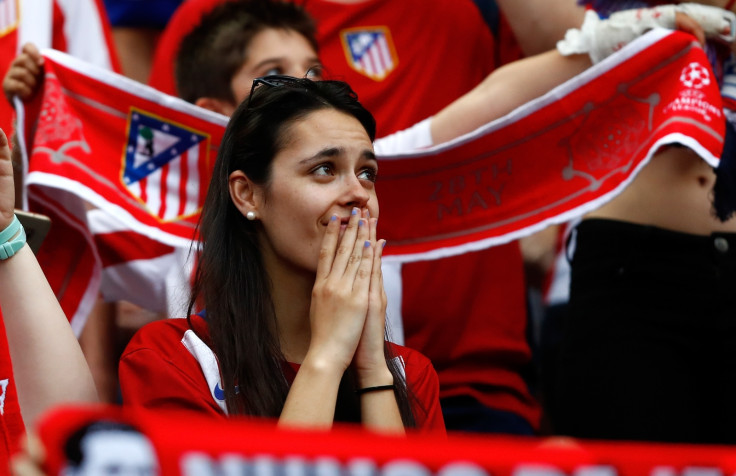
[[361, 391]]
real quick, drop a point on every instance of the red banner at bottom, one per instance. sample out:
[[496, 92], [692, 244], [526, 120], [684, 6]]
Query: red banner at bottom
[[90, 439]]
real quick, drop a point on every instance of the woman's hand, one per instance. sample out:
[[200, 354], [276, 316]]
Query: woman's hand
[[340, 297], [369, 361], [24, 75], [7, 186]]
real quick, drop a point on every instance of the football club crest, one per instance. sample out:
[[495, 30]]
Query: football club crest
[[8, 16], [370, 51], [164, 164]]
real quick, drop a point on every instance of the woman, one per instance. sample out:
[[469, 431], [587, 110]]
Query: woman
[[290, 279]]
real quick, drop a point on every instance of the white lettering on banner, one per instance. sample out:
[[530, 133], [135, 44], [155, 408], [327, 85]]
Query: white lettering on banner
[[687, 471], [694, 101], [201, 464], [548, 470]]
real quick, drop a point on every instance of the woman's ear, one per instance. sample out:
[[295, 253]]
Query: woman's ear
[[244, 194], [216, 105]]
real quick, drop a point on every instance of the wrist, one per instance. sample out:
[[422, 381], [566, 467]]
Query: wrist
[[378, 377], [317, 364], [12, 239]]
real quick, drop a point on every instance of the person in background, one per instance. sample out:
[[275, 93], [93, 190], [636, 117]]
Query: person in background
[[648, 347]]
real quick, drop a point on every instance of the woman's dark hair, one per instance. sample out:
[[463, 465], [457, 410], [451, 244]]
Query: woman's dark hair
[[215, 50], [231, 282]]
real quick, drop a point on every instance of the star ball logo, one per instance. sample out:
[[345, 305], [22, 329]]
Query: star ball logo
[[695, 75]]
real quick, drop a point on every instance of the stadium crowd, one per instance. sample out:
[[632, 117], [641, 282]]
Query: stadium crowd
[[293, 313]]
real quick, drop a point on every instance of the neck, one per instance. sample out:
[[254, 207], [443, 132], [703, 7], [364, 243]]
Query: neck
[[291, 291]]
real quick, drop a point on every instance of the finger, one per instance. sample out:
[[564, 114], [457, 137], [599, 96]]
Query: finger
[[327, 250], [29, 63], [33, 52], [35, 449], [24, 77], [377, 274], [373, 229], [7, 186], [30, 461], [358, 255], [14, 88], [363, 271], [347, 243], [687, 24]]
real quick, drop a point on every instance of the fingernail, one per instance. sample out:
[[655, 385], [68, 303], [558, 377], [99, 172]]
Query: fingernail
[[368, 213], [360, 222], [355, 211], [367, 244], [383, 245], [333, 218]]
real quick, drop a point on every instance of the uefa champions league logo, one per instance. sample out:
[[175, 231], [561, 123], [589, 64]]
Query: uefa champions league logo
[[695, 76]]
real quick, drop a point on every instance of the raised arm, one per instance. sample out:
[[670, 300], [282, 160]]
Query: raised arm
[[48, 365], [539, 24], [521, 81]]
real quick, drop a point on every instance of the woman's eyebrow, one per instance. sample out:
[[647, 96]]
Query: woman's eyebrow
[[329, 152]]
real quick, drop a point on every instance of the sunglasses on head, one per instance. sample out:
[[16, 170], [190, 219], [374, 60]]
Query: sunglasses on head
[[276, 81]]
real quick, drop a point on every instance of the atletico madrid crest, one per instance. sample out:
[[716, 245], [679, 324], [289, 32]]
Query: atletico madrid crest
[[370, 51], [164, 164]]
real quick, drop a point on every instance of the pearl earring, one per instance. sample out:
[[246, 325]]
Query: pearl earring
[[250, 215]]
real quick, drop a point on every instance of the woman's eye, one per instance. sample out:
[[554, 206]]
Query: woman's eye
[[272, 71], [314, 72], [368, 174], [324, 169]]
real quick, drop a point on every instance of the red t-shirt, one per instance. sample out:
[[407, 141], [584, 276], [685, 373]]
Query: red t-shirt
[[406, 60], [168, 365]]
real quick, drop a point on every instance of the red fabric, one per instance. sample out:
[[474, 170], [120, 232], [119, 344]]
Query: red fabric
[[190, 444], [441, 51], [8, 48], [479, 347], [11, 422], [158, 372]]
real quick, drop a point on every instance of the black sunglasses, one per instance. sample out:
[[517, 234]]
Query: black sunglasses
[[276, 81]]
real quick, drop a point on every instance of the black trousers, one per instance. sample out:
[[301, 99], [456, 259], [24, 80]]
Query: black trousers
[[649, 344]]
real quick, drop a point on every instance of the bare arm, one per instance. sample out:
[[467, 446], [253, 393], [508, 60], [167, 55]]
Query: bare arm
[[538, 24], [48, 364], [519, 82], [504, 90]]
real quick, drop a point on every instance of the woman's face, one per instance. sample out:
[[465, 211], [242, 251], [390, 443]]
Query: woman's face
[[327, 167]]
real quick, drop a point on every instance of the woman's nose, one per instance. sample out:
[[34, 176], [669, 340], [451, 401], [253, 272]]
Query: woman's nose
[[356, 194]]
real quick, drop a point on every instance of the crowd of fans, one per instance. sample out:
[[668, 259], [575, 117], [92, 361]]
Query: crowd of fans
[[290, 323]]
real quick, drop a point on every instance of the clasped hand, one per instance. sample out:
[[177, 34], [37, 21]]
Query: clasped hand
[[348, 307]]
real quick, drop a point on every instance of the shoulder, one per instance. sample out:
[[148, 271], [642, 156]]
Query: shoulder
[[168, 364], [165, 335], [415, 364], [424, 387]]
